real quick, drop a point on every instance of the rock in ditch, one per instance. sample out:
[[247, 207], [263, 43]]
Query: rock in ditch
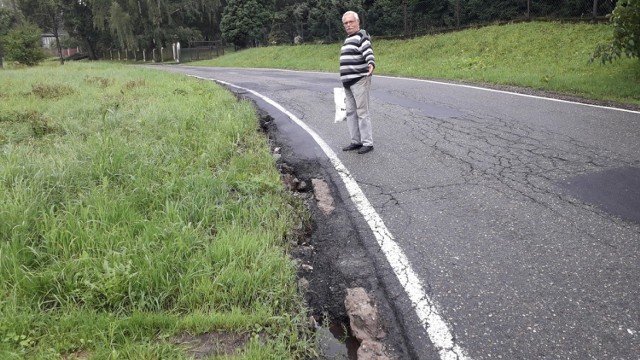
[[323, 196], [290, 181], [365, 324], [371, 350]]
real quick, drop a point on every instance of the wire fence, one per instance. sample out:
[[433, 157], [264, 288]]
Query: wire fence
[[201, 50], [175, 52]]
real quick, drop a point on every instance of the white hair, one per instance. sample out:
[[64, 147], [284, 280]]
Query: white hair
[[355, 15]]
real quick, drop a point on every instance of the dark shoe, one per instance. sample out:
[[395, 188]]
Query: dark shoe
[[352, 147], [365, 149]]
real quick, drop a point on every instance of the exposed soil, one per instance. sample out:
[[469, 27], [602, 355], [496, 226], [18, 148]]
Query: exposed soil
[[332, 256], [212, 344]]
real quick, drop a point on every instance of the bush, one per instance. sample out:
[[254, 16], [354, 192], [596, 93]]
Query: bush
[[22, 44], [626, 33]]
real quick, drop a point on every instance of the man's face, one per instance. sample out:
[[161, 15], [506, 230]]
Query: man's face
[[351, 25]]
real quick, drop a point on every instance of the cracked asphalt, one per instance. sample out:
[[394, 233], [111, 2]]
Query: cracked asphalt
[[520, 214]]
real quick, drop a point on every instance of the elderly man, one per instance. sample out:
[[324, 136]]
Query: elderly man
[[356, 67]]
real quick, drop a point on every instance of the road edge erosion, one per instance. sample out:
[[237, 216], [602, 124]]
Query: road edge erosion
[[331, 256]]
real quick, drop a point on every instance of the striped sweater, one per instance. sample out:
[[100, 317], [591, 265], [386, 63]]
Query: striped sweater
[[355, 56]]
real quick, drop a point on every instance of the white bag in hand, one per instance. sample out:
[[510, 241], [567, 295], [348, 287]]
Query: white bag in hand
[[341, 104]]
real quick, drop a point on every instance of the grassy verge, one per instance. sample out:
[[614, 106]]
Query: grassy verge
[[138, 208], [540, 55]]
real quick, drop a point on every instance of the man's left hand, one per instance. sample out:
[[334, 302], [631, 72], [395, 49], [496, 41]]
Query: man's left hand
[[371, 67]]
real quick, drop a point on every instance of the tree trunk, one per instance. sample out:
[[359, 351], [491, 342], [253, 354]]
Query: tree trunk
[[90, 49], [54, 20], [405, 17], [458, 14], [55, 34], [16, 10]]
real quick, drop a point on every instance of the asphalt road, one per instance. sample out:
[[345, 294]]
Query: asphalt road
[[519, 215]]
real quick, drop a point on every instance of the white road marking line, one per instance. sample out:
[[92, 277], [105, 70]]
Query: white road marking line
[[514, 93], [426, 309], [467, 86]]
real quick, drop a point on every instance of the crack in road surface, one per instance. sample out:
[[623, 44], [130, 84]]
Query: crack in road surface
[[512, 158]]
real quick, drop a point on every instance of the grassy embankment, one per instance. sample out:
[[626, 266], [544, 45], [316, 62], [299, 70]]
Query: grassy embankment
[[539, 55], [137, 207]]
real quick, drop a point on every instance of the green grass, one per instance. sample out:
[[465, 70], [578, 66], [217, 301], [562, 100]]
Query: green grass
[[539, 55], [136, 206]]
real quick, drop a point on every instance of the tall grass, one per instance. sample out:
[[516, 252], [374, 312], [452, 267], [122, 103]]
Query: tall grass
[[135, 206], [540, 55]]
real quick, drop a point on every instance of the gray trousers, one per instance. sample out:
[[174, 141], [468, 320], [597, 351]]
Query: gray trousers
[[358, 119]]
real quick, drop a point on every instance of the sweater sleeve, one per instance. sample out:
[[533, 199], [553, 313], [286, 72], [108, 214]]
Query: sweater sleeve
[[366, 49]]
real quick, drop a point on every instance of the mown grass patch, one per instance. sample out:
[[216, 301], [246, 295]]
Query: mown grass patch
[[540, 55], [136, 207]]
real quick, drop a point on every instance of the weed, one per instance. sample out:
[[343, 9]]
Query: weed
[[134, 84], [100, 81], [37, 121], [55, 91], [40, 124]]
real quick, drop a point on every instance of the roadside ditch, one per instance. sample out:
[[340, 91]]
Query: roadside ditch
[[348, 304]]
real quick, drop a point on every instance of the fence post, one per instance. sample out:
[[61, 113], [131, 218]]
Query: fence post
[[144, 55], [595, 9], [161, 53]]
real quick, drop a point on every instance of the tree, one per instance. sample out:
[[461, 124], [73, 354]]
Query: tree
[[79, 23], [287, 20], [244, 22], [47, 14], [386, 17], [481, 11], [626, 33], [434, 14], [145, 24], [202, 16], [325, 18], [8, 20], [22, 44]]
